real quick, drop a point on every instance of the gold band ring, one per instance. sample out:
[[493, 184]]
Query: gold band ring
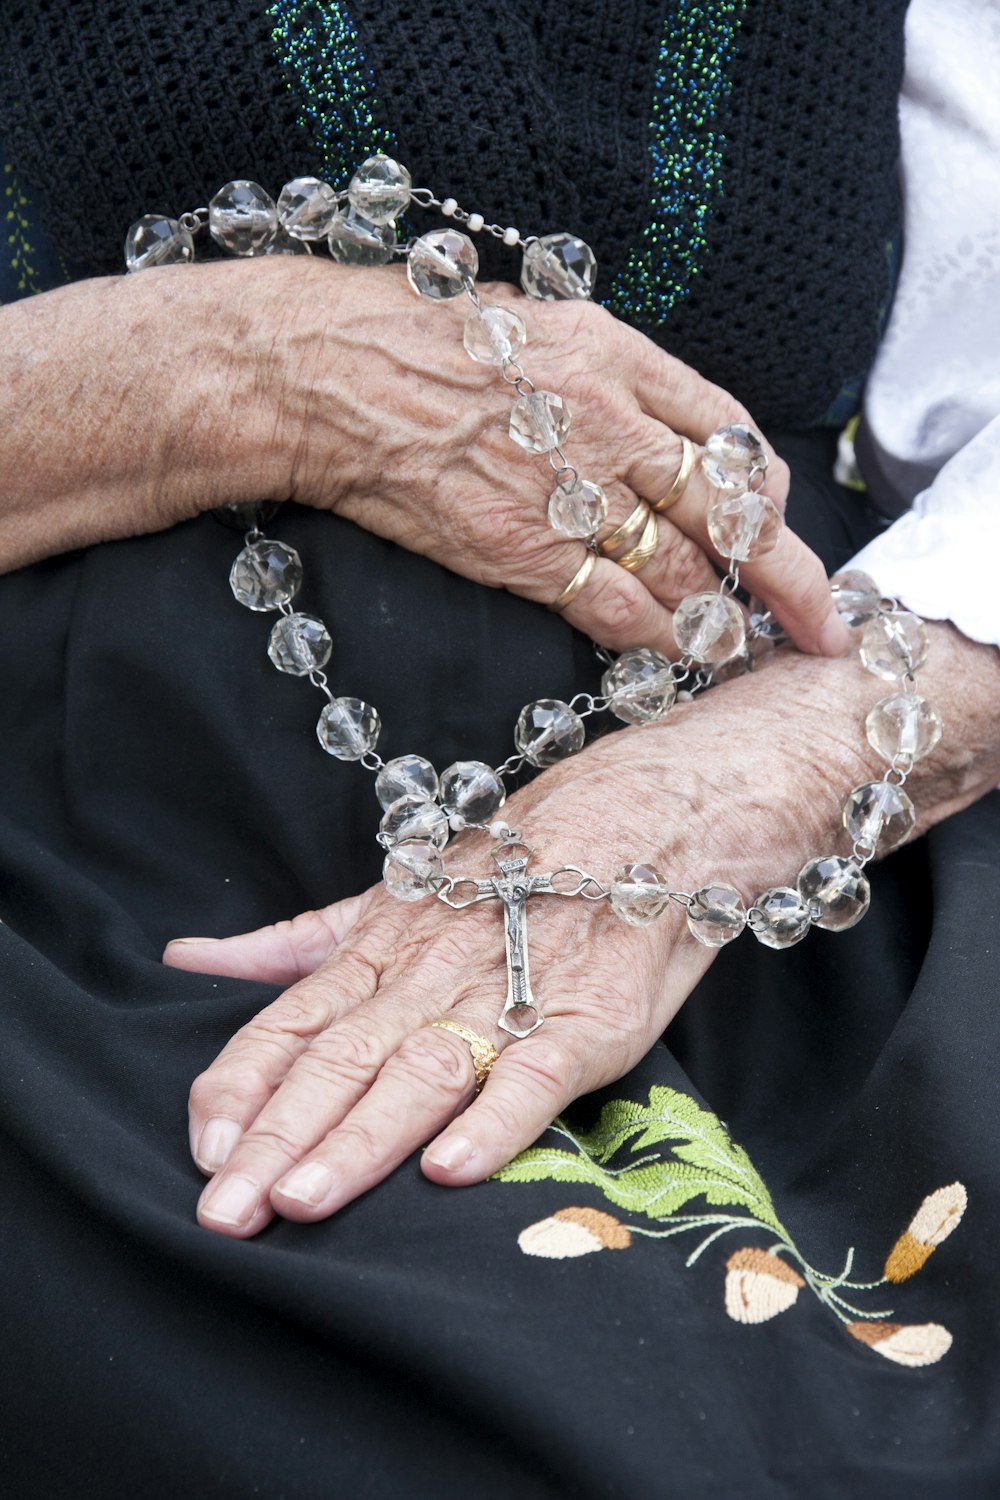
[[576, 583], [638, 556], [629, 532], [484, 1054], [680, 484]]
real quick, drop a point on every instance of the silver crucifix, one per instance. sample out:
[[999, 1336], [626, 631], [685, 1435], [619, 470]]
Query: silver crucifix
[[521, 1014]]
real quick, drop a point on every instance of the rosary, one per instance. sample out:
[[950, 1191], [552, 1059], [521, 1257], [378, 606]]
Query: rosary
[[715, 636]]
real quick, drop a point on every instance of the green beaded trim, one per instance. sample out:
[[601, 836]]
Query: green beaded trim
[[17, 246], [319, 47], [686, 148]]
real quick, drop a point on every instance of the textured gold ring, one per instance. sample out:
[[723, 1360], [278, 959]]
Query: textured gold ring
[[629, 532], [680, 484], [576, 583], [638, 556], [484, 1054]]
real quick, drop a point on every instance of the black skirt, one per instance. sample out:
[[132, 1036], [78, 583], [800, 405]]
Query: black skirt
[[542, 1336]]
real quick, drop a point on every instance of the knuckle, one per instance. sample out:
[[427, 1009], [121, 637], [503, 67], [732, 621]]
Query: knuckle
[[343, 1053], [359, 1144], [278, 1135], [302, 1010], [239, 1081], [686, 564], [548, 1072], [430, 1062], [621, 607]]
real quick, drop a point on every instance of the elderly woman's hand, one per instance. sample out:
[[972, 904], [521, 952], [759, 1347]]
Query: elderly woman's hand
[[328, 1089], [177, 389]]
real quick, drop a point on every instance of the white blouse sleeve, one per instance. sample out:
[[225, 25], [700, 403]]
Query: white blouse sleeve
[[932, 404]]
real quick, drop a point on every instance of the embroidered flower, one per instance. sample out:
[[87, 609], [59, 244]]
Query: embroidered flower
[[759, 1285], [933, 1221], [574, 1231], [910, 1344]]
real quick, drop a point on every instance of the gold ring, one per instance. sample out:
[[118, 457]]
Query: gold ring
[[639, 555], [576, 583], [628, 532], [680, 484], [484, 1054]]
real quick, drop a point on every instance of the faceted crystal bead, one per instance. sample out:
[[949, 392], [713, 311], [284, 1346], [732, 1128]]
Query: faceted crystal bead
[[835, 890], [306, 208], [242, 218], [578, 509], [348, 728], [412, 870], [709, 627], [732, 454], [736, 666], [380, 190], [781, 918], [406, 776], [355, 241], [283, 244], [638, 894], [716, 915], [266, 574], [493, 334], [157, 241], [299, 644], [539, 421], [744, 525], [764, 624], [471, 791], [879, 814], [442, 264], [856, 597], [640, 685], [415, 818], [894, 644], [904, 724], [548, 731], [557, 267]]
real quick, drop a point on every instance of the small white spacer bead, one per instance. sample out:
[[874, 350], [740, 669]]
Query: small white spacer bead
[[449, 206], [511, 236], [476, 222]]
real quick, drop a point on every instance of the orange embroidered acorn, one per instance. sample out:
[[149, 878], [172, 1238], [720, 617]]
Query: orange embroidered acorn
[[574, 1231], [759, 1285], [933, 1221], [910, 1344]]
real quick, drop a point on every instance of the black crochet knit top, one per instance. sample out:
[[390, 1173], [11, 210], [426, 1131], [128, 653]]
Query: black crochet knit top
[[731, 162]]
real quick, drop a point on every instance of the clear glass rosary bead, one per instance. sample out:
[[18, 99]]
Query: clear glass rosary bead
[[764, 625], [557, 267], [732, 455], [904, 724], [894, 644], [709, 627], [155, 240], [638, 894], [406, 776], [879, 815], [348, 728], [835, 890], [442, 264], [299, 644], [640, 685], [284, 244], [412, 870], [577, 509], [415, 818], [779, 918], [539, 421], [266, 574], [744, 526], [306, 208], [493, 334], [716, 915], [242, 218], [855, 596], [380, 190], [471, 791], [355, 241], [547, 731]]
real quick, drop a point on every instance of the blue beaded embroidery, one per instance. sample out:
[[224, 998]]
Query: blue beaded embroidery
[[686, 147], [335, 86]]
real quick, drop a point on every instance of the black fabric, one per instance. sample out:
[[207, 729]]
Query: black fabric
[[536, 115], [157, 776]]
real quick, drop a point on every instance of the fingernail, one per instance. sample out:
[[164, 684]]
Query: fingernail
[[179, 942], [310, 1183], [233, 1200], [834, 638], [451, 1153], [217, 1143]]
